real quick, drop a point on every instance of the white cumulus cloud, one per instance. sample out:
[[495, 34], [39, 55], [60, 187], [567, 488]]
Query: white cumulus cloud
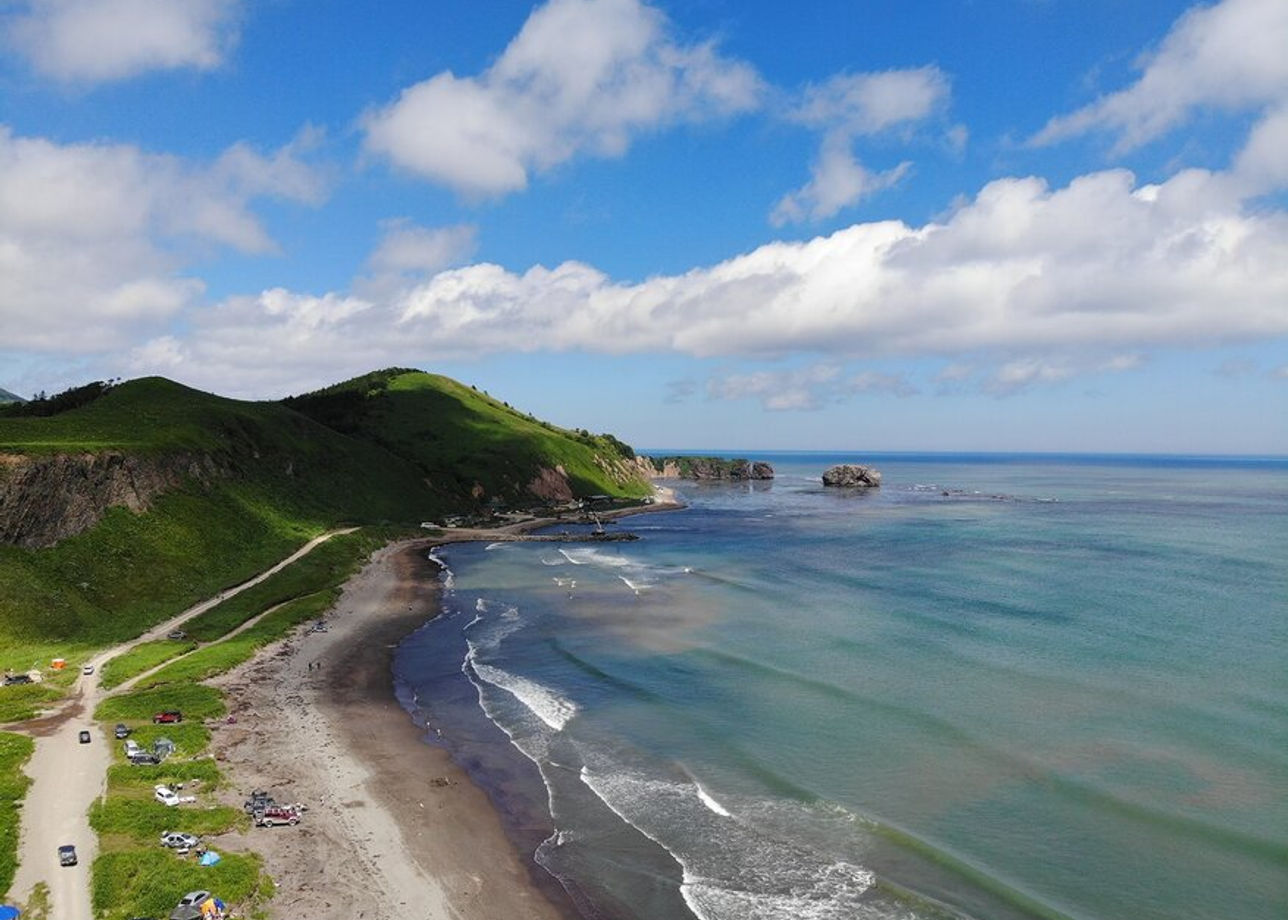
[[849, 106], [582, 77], [91, 41], [1229, 56], [92, 235]]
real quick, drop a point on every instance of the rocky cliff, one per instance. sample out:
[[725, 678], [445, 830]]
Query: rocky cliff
[[704, 468], [47, 498]]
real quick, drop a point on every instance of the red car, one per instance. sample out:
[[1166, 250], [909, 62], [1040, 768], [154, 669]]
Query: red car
[[169, 715], [276, 814]]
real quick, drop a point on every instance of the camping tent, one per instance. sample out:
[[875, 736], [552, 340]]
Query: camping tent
[[209, 858], [8, 912]]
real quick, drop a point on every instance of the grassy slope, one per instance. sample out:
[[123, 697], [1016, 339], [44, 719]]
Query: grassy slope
[[289, 479], [460, 437], [360, 451]]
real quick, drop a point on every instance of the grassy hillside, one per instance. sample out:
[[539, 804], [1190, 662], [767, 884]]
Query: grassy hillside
[[284, 478], [7, 397], [461, 438], [393, 447]]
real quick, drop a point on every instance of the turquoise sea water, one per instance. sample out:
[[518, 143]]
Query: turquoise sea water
[[998, 687]]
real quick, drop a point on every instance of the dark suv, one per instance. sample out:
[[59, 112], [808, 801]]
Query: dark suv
[[67, 855]]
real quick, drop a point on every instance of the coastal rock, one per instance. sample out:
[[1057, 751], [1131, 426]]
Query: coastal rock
[[705, 468], [852, 475]]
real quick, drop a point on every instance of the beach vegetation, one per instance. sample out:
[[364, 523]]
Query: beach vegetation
[[195, 701], [147, 882], [15, 750], [328, 565], [142, 658]]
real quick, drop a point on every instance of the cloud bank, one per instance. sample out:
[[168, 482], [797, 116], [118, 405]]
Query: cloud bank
[[1103, 265]]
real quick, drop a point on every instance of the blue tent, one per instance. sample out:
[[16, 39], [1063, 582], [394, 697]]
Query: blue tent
[[209, 858], [8, 912]]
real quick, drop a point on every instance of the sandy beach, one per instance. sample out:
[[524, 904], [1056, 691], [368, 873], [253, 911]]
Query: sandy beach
[[394, 828]]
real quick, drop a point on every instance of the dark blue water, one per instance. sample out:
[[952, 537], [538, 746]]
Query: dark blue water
[[999, 686]]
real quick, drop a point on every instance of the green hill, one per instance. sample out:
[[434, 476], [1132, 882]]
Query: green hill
[[469, 445], [7, 397], [149, 495]]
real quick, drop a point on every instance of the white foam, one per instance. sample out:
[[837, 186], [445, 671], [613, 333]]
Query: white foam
[[541, 701], [710, 802], [732, 868], [637, 587], [492, 546], [591, 556]]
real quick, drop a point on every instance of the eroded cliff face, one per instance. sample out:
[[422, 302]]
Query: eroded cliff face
[[48, 498], [551, 485]]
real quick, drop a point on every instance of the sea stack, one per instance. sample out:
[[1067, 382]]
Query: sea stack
[[851, 475]]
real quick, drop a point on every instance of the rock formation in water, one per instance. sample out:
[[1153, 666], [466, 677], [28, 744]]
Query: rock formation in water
[[852, 475]]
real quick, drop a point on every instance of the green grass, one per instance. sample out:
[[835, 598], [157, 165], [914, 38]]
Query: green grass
[[190, 738], [195, 701], [143, 657], [329, 564], [225, 655], [149, 882], [143, 819], [14, 752], [461, 438], [24, 701]]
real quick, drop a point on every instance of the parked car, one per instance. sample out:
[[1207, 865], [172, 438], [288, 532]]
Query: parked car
[[84, 736], [67, 855], [258, 801], [88, 669], [168, 715], [178, 840], [276, 814], [187, 908], [165, 795], [121, 730], [177, 634], [17, 679], [144, 759]]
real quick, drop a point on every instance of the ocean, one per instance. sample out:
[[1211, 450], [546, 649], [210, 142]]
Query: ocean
[[1000, 686]]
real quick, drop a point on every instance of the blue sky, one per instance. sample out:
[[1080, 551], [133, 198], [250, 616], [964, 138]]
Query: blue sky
[[1011, 225]]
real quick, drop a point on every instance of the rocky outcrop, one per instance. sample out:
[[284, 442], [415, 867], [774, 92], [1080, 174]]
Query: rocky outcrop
[[47, 498], [704, 468], [852, 476], [551, 485]]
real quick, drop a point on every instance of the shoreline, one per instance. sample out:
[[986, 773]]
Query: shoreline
[[395, 826]]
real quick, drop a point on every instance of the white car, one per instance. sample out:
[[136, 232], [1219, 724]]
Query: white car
[[178, 840], [166, 796], [88, 669]]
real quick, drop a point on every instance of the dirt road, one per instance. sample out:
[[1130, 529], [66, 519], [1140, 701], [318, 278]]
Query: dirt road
[[67, 775]]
